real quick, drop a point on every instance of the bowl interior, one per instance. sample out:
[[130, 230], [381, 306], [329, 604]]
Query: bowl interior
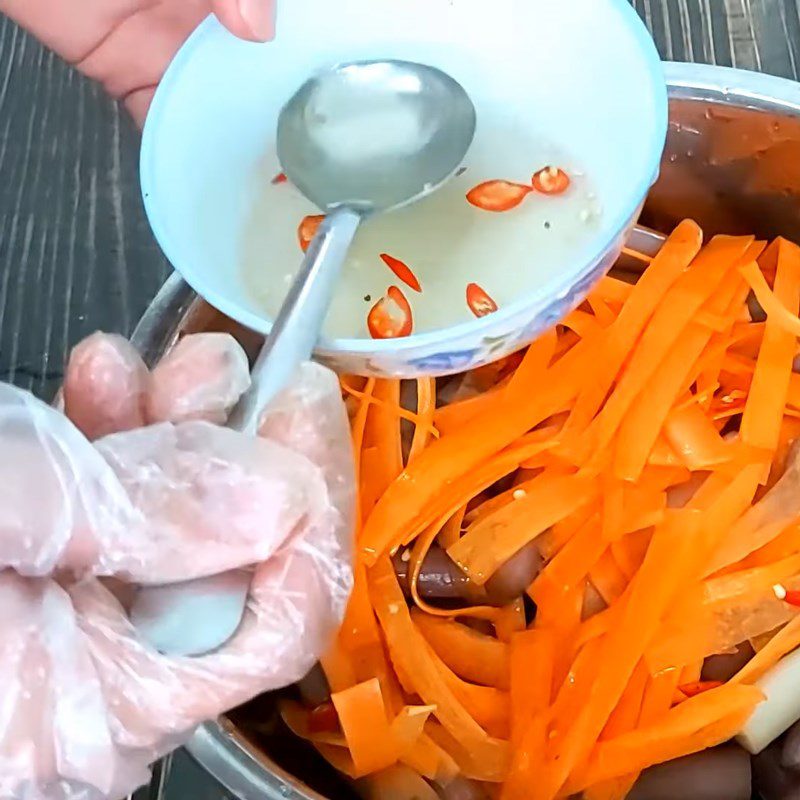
[[547, 70]]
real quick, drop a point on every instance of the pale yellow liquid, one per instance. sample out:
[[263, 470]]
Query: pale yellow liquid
[[447, 242]]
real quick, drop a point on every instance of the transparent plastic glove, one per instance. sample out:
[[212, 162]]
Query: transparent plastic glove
[[86, 704]]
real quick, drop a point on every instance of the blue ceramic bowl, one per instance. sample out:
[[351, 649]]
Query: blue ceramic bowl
[[583, 74]]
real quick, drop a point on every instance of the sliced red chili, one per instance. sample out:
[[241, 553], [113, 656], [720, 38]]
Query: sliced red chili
[[307, 230], [551, 180], [698, 687], [480, 304], [323, 719], [390, 317], [498, 195], [792, 597], [279, 178], [402, 271]]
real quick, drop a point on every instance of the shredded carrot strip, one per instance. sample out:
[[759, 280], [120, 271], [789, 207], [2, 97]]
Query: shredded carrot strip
[[489, 707], [670, 319], [704, 721], [571, 565], [426, 406], [367, 399], [421, 548], [451, 530], [455, 416], [608, 578], [645, 443], [613, 290], [338, 667], [763, 414], [695, 439], [639, 431], [602, 312], [512, 527], [409, 652], [471, 655], [510, 620], [523, 404], [786, 640], [672, 260], [654, 587], [460, 491], [769, 302], [359, 627], [532, 661], [365, 725], [637, 255], [623, 719]]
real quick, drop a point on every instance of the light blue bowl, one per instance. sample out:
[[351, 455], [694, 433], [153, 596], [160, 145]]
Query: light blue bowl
[[582, 73]]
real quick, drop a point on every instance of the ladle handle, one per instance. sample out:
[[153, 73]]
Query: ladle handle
[[297, 327], [196, 617]]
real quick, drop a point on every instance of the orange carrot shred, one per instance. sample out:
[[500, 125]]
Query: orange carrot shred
[[634, 473], [362, 715], [763, 413]]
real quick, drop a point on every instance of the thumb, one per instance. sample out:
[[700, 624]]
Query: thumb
[[248, 19]]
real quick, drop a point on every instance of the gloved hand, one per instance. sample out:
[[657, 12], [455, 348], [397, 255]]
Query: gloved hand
[[164, 495]]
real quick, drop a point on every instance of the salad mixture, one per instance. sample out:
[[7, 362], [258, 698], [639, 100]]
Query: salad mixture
[[578, 569]]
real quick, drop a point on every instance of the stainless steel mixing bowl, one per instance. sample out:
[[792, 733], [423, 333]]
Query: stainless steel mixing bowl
[[732, 163]]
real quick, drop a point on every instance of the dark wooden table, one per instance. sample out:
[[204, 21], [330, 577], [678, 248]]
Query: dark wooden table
[[75, 250]]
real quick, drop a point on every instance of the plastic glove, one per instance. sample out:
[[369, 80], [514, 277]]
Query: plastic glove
[[87, 705]]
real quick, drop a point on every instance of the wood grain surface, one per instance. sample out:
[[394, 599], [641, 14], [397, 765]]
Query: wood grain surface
[[75, 251]]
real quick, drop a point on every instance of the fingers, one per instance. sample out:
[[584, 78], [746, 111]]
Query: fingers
[[104, 389], [207, 499], [138, 41], [196, 617], [202, 377], [297, 601], [298, 593], [56, 492], [57, 25], [138, 103], [107, 387], [55, 740], [247, 19], [310, 418]]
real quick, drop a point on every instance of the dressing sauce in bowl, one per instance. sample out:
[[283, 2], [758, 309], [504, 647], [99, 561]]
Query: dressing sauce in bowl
[[450, 257]]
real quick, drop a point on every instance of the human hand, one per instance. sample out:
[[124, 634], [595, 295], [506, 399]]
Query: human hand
[[127, 44], [87, 704]]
